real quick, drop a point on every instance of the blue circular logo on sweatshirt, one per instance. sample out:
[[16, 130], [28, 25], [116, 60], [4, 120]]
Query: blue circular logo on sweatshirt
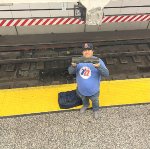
[[85, 72]]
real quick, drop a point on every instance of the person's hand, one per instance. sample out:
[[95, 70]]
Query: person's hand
[[74, 64], [96, 65]]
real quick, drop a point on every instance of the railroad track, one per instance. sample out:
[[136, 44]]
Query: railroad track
[[45, 64]]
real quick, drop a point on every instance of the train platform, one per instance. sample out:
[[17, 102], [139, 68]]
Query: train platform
[[124, 127], [23, 101]]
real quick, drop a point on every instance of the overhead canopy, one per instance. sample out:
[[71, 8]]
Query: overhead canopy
[[94, 7]]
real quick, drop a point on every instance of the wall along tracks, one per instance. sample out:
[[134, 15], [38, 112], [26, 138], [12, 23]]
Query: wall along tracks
[[45, 64]]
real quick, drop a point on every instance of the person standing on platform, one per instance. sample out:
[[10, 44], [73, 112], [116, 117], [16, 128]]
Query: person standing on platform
[[88, 77]]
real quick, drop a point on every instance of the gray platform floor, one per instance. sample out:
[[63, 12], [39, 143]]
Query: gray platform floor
[[126, 127], [74, 37]]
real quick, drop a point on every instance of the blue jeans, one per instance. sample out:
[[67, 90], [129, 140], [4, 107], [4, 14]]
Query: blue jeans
[[93, 98]]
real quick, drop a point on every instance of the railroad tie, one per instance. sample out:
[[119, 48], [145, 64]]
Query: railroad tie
[[148, 57], [123, 60], [109, 61], [136, 59], [25, 66], [10, 68], [40, 65]]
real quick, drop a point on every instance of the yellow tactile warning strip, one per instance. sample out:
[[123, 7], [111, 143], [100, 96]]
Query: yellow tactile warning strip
[[45, 99]]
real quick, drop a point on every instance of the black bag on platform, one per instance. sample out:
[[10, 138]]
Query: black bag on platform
[[69, 99]]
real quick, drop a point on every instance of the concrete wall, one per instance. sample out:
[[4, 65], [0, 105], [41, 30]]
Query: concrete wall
[[30, 12], [38, 13], [8, 30], [124, 26], [149, 25], [50, 29], [128, 11]]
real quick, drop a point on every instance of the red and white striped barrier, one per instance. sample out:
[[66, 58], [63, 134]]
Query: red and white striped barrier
[[41, 21], [62, 21], [126, 18]]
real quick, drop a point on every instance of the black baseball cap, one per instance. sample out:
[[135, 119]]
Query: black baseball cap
[[87, 46]]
